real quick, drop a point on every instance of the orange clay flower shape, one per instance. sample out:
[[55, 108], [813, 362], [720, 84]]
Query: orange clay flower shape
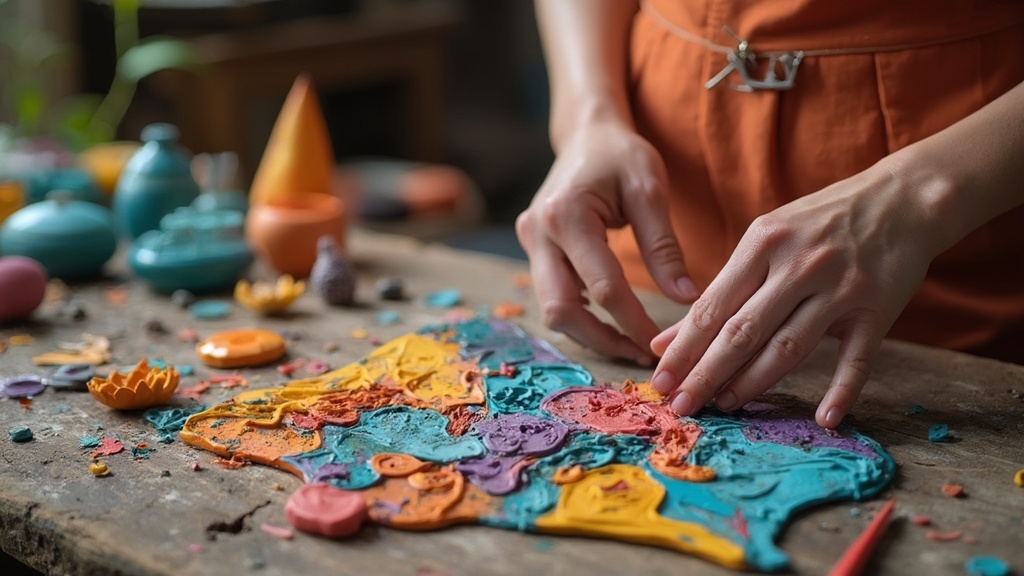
[[143, 387], [266, 299]]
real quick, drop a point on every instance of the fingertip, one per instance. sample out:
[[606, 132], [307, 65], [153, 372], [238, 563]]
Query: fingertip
[[664, 381], [830, 417], [686, 289], [683, 403]]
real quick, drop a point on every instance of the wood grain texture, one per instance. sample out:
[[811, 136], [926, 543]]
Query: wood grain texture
[[58, 518]]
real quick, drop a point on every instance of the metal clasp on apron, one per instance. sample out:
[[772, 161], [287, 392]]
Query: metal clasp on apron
[[743, 61]]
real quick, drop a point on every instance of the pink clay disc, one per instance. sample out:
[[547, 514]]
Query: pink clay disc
[[326, 510]]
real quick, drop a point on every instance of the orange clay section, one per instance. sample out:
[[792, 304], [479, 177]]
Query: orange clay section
[[672, 448], [620, 501], [143, 387], [395, 465], [429, 500], [412, 370]]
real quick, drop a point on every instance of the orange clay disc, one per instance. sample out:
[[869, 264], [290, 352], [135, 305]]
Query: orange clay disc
[[326, 510], [237, 348], [397, 465]]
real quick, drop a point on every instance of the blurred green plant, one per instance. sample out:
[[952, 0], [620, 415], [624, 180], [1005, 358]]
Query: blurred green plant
[[80, 120]]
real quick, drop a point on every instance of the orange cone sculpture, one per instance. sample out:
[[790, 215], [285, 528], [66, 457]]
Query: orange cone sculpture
[[291, 200]]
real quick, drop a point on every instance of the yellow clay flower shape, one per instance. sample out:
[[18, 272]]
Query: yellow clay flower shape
[[266, 299], [143, 387]]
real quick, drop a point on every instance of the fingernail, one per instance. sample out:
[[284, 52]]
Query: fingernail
[[726, 401], [833, 417], [686, 288], [683, 404], [664, 382]]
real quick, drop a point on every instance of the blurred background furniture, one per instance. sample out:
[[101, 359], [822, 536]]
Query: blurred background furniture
[[223, 105]]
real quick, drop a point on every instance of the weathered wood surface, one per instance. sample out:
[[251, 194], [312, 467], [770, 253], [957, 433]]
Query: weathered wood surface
[[58, 518]]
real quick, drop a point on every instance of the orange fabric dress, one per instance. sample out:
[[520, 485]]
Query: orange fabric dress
[[877, 75]]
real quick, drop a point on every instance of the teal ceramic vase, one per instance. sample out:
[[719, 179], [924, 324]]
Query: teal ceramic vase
[[195, 251], [155, 181], [72, 239]]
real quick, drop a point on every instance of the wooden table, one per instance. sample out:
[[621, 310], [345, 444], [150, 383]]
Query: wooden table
[[148, 517]]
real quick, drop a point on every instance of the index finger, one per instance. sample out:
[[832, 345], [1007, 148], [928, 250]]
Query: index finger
[[602, 275], [557, 289]]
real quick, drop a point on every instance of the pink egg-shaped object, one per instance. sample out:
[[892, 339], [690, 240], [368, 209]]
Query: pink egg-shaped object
[[22, 287]]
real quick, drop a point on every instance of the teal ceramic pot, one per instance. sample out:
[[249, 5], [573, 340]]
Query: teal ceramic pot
[[195, 251], [72, 239], [77, 182], [155, 181]]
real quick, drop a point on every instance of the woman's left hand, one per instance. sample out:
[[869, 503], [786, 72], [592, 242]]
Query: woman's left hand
[[842, 262]]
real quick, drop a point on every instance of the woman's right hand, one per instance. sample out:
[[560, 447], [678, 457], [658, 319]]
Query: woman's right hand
[[605, 177]]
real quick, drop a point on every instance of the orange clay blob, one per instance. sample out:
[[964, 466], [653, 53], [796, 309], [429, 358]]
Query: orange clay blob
[[269, 299], [326, 510], [672, 448], [428, 500], [621, 501], [143, 387], [567, 475], [243, 347], [397, 465], [298, 158]]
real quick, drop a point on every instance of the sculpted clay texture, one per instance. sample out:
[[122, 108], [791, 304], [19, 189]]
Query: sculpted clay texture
[[479, 423]]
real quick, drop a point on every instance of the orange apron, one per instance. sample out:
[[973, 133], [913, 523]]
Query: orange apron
[[877, 75]]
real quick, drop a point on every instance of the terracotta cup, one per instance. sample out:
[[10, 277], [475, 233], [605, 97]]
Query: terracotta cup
[[284, 233]]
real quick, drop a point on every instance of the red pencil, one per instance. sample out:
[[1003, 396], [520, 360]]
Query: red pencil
[[856, 556]]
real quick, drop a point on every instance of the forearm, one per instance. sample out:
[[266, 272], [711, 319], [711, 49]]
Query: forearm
[[972, 171], [586, 49]]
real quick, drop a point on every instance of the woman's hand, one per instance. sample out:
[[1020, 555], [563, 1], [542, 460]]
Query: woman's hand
[[843, 262], [605, 176]]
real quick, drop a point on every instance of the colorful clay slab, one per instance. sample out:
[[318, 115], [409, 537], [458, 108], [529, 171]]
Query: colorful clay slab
[[244, 347], [479, 423]]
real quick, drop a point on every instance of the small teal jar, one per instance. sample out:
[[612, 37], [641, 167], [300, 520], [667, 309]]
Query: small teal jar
[[72, 239], [197, 251], [79, 183], [155, 181]]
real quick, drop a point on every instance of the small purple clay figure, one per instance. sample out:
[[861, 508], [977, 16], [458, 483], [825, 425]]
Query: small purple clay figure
[[332, 277]]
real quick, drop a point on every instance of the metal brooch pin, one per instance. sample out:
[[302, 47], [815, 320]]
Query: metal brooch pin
[[743, 60]]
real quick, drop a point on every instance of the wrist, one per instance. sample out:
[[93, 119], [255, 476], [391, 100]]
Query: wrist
[[934, 197], [580, 114]]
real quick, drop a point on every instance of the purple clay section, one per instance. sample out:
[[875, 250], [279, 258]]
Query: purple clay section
[[496, 475], [330, 472], [22, 386], [801, 433], [522, 434]]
